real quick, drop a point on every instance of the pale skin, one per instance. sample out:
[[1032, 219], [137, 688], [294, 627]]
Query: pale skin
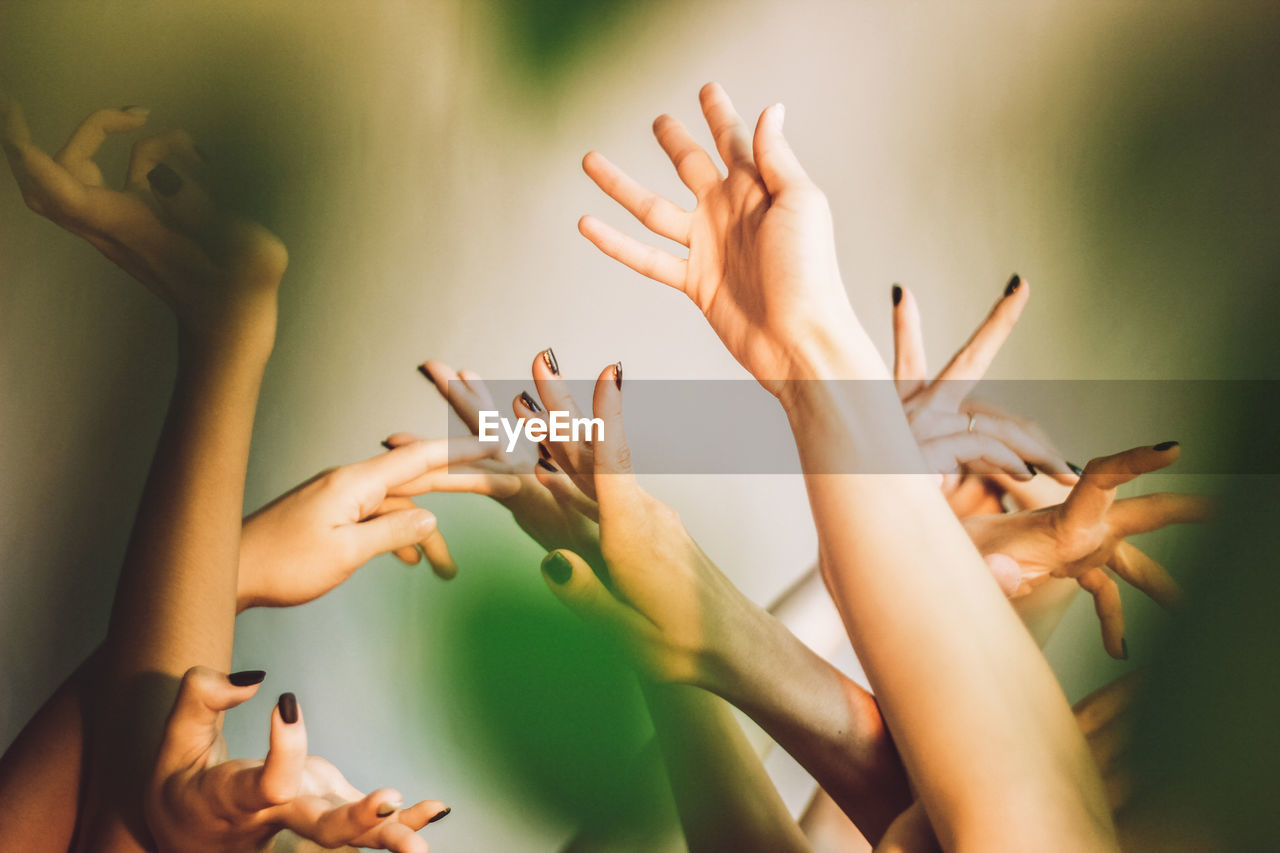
[[935, 631], [180, 586]]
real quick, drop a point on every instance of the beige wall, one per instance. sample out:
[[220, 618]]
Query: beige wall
[[1116, 154]]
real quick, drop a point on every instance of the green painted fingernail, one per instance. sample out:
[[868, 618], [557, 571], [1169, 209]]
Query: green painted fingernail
[[557, 567]]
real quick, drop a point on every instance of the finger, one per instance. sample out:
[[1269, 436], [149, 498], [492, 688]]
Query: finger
[[203, 696], [388, 532], [693, 164], [576, 458], [1009, 432], [660, 215], [1006, 571], [13, 124], [1106, 603], [564, 490], [572, 580], [973, 449], [1145, 574], [1090, 498], [471, 479], [318, 819], [47, 188], [394, 836], [77, 155], [162, 167], [909, 363], [970, 363], [777, 164], [727, 127], [476, 385], [281, 773], [400, 466], [420, 814], [436, 550], [1036, 493], [615, 483], [464, 401], [647, 260], [1152, 512], [1107, 702]]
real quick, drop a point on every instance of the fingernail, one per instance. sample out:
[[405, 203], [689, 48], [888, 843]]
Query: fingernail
[[422, 368], [543, 463], [388, 809], [288, 705], [246, 677], [617, 375], [388, 445], [529, 401], [1031, 469], [164, 180], [1075, 469], [549, 356], [1165, 445], [1124, 648], [543, 451], [135, 110], [557, 567], [1014, 283], [440, 816], [897, 295]]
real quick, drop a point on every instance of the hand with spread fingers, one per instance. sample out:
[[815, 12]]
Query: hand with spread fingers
[[1086, 532], [216, 272], [311, 539], [548, 519], [761, 262], [957, 435], [199, 800]]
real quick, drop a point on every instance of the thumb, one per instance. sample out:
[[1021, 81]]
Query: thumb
[[1006, 571], [572, 580], [195, 720], [399, 529], [776, 162]]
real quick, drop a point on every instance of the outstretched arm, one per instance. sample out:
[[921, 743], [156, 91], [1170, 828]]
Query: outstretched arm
[[956, 675]]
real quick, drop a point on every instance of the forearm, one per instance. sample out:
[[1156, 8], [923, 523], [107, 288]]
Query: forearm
[[176, 599], [955, 673], [824, 720], [725, 799]]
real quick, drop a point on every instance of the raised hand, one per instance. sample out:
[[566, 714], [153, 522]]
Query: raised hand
[[198, 800], [216, 272], [311, 539], [954, 433], [761, 264], [550, 522], [1085, 533]]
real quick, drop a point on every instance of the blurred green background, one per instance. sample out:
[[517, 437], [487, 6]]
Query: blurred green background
[[421, 161]]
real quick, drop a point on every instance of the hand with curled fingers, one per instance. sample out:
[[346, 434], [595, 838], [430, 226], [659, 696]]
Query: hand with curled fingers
[[957, 435], [311, 539], [761, 262], [669, 606], [218, 273], [1086, 532], [547, 519], [199, 800]]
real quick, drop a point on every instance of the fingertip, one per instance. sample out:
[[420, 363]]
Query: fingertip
[[557, 567], [592, 161]]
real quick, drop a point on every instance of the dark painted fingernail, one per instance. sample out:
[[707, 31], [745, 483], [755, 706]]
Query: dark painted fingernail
[[617, 375], [549, 356], [543, 451], [1075, 469], [388, 445], [1124, 649], [288, 705], [388, 809], [1031, 469], [543, 463], [164, 180], [557, 567], [1165, 445], [134, 109], [246, 677], [422, 368], [529, 401], [1014, 283], [440, 816], [897, 295]]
